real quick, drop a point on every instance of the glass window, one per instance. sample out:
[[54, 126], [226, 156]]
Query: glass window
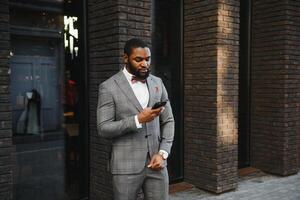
[[45, 95]]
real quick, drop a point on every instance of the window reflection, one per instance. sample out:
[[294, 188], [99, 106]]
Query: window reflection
[[30, 119], [71, 35], [45, 76], [36, 19]]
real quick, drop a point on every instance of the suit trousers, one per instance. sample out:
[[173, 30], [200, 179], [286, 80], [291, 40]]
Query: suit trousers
[[155, 185]]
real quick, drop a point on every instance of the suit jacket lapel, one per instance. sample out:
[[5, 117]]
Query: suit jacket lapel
[[122, 82], [151, 88]]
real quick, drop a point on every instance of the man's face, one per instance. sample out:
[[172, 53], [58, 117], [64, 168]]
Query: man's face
[[138, 63]]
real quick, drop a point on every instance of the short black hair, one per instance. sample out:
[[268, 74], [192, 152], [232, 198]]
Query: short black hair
[[133, 43]]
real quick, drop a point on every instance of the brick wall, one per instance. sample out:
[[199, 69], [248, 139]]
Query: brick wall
[[211, 34], [5, 108], [293, 84], [275, 86], [110, 24]]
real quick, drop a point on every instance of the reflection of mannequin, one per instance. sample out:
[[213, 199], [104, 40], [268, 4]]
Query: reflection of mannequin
[[30, 120], [33, 121]]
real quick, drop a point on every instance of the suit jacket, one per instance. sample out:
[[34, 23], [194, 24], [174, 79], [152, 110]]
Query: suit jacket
[[117, 106]]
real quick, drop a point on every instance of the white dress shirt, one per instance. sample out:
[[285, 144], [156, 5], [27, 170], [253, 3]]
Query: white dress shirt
[[142, 94]]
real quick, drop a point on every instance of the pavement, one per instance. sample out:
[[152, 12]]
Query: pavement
[[255, 186]]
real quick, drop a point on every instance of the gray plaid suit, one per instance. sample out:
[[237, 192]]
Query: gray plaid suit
[[131, 147]]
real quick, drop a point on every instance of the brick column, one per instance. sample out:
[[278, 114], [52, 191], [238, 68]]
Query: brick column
[[211, 46], [110, 24], [5, 108], [275, 86]]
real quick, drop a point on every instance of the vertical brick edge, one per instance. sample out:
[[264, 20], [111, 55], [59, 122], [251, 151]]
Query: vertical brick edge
[[5, 107]]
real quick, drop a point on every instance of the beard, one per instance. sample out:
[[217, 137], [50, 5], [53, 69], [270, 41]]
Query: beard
[[140, 74]]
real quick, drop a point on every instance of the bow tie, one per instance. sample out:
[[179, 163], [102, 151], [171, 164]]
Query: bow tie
[[134, 79]]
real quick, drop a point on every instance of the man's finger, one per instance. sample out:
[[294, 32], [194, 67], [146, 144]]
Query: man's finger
[[157, 165], [151, 163], [157, 110]]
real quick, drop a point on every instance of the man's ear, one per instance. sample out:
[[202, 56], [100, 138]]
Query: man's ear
[[125, 58]]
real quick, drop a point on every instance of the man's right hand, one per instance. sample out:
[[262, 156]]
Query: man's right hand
[[148, 114]]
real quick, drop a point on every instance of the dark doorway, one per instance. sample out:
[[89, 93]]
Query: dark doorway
[[244, 84], [166, 52]]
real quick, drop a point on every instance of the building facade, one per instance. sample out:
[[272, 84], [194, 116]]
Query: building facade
[[231, 69]]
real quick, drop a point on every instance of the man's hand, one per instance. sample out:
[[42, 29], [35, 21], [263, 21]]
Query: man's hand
[[148, 114], [156, 162]]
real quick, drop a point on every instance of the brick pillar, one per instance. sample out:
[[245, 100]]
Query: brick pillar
[[275, 86], [211, 49], [110, 25], [5, 108]]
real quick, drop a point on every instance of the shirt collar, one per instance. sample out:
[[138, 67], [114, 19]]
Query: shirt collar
[[127, 74]]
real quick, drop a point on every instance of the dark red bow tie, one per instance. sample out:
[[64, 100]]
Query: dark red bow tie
[[134, 79]]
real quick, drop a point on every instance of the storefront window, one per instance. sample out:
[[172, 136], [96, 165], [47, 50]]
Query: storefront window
[[45, 96]]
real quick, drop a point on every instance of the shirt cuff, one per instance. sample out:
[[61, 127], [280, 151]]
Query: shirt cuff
[[164, 152], [137, 123]]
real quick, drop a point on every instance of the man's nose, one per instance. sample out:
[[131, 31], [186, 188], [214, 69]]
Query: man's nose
[[145, 63]]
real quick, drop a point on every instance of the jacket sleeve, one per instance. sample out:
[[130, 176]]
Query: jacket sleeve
[[107, 125], [167, 125]]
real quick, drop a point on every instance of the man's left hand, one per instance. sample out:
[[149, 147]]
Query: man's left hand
[[157, 162]]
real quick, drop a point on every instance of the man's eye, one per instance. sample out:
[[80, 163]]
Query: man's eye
[[138, 59]]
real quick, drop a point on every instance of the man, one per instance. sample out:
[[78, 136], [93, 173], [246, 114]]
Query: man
[[141, 136]]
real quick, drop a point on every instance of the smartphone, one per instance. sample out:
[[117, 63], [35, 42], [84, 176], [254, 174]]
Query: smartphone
[[159, 104]]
